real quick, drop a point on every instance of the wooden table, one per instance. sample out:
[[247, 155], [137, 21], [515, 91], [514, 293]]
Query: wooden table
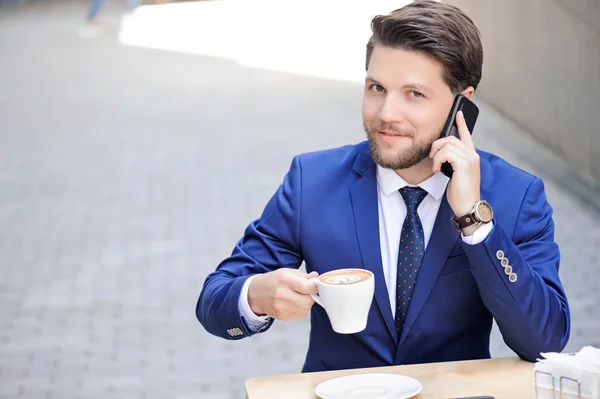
[[506, 378]]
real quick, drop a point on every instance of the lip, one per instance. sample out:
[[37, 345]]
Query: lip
[[389, 135]]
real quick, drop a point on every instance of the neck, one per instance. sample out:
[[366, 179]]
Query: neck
[[418, 173]]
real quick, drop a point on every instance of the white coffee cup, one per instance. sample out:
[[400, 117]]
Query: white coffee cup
[[346, 295]]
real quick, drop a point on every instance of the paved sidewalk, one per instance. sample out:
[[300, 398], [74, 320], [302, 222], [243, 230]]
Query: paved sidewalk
[[127, 174]]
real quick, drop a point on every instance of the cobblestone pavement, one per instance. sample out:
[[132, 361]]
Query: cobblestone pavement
[[127, 174]]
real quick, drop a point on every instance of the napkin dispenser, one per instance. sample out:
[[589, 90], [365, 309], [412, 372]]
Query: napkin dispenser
[[568, 376]]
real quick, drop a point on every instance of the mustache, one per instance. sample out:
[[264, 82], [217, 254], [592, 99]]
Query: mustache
[[391, 128]]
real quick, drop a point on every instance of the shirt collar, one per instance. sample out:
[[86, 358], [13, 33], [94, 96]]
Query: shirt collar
[[389, 182]]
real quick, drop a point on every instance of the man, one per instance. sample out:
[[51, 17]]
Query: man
[[346, 208], [92, 27]]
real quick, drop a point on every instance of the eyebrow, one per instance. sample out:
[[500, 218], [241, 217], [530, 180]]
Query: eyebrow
[[414, 86]]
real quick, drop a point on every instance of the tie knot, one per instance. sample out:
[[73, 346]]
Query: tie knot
[[413, 196]]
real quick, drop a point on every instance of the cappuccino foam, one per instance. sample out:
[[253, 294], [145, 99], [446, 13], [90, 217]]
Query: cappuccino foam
[[344, 277]]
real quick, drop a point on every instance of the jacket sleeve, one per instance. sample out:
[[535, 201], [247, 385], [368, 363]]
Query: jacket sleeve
[[528, 302], [269, 243]]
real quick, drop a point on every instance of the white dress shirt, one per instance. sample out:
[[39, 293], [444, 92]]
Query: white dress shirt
[[392, 212]]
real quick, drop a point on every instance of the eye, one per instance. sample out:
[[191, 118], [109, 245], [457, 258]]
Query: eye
[[415, 94], [377, 88]]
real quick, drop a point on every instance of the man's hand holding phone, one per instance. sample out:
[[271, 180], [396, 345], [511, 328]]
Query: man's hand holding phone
[[463, 188]]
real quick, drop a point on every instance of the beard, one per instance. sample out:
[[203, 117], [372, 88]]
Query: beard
[[397, 159]]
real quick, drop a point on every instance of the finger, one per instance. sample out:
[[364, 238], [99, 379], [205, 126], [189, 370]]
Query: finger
[[441, 143], [312, 275], [287, 304], [301, 285], [449, 154], [293, 306], [453, 142], [463, 130], [300, 303], [287, 316]]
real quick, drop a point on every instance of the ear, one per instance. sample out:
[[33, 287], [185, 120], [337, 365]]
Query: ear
[[468, 92]]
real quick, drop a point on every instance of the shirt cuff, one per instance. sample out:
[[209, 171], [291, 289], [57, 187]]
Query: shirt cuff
[[479, 235], [253, 322]]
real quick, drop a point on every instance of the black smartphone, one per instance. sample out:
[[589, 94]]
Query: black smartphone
[[470, 112]]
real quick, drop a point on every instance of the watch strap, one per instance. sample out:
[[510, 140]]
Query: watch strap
[[461, 223]]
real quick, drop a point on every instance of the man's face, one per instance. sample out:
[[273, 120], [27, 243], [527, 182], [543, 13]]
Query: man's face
[[405, 105]]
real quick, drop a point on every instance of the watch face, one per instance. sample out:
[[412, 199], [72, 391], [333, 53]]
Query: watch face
[[484, 212]]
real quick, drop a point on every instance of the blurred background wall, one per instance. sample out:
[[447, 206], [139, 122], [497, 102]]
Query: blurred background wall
[[548, 50]]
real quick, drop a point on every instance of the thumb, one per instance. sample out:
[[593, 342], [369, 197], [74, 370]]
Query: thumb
[[303, 285], [312, 275]]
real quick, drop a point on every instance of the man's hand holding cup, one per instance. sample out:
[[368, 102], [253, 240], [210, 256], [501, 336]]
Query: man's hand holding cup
[[284, 294]]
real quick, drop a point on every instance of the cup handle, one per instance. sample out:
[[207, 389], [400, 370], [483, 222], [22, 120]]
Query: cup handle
[[316, 298]]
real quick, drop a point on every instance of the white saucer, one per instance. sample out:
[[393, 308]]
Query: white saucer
[[369, 386]]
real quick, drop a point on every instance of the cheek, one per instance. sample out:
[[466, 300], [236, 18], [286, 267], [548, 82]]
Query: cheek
[[427, 124], [370, 108]]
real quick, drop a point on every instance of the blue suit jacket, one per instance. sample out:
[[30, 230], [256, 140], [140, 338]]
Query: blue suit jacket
[[325, 213]]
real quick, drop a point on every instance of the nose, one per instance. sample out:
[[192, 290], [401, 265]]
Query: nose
[[392, 110]]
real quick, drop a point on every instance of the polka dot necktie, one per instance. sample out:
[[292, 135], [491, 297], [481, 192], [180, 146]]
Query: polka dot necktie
[[410, 253]]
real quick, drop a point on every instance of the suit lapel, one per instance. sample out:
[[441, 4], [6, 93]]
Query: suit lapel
[[443, 238], [363, 193]]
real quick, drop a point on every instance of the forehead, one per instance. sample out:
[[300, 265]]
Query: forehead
[[394, 66]]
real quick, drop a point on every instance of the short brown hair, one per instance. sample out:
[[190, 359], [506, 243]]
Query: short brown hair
[[441, 31]]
